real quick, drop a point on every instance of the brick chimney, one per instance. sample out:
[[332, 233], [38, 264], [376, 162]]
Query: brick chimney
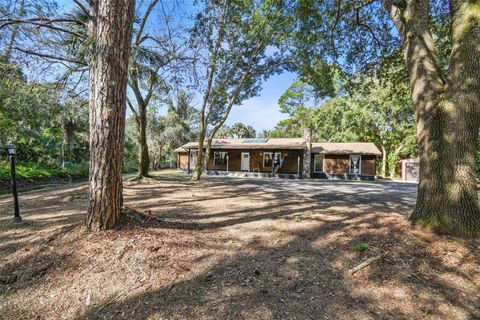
[[307, 154]]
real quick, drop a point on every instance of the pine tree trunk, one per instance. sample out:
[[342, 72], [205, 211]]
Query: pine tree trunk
[[143, 156], [447, 110], [112, 30]]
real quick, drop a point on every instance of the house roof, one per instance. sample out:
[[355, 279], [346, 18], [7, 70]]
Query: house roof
[[346, 148], [248, 144], [180, 149], [287, 144]]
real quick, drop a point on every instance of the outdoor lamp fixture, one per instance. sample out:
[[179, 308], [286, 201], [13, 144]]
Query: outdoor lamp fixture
[[11, 148]]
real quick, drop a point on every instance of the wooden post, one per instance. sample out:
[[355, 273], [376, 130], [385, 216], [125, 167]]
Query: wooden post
[[298, 166], [188, 162], [249, 161], [228, 158], [273, 162]]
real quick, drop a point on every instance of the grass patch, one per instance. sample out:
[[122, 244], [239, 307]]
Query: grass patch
[[362, 246]]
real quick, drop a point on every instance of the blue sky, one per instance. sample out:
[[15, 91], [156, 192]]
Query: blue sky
[[261, 112]]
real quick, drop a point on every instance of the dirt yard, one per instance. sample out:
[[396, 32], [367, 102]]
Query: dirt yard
[[234, 248]]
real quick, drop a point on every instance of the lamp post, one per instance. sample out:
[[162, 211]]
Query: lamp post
[[13, 172]]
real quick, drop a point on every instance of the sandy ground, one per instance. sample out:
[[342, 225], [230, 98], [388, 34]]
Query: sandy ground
[[234, 248]]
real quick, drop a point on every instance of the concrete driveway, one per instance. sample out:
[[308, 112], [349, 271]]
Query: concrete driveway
[[356, 192]]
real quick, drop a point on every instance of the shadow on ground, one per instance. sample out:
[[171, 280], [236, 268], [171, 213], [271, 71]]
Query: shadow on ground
[[239, 249]]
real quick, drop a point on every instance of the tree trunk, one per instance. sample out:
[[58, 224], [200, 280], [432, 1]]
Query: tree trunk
[[112, 30], [384, 162], [197, 174], [447, 113], [143, 156]]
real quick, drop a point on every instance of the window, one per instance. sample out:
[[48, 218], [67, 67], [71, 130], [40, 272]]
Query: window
[[279, 159], [355, 163], [318, 163], [267, 159], [220, 158]]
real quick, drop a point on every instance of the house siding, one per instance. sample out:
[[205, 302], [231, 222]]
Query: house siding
[[336, 164], [368, 165], [182, 160], [337, 167], [233, 160]]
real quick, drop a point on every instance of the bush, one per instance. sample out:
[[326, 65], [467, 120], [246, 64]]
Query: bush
[[25, 172], [33, 171]]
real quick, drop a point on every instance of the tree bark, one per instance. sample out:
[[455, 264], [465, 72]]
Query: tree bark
[[143, 156], [384, 161], [210, 76], [112, 30], [447, 109]]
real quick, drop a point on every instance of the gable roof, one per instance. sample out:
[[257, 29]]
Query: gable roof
[[365, 148]]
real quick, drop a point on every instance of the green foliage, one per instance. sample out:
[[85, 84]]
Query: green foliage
[[164, 132], [236, 131], [240, 45], [374, 105], [362, 246], [39, 121], [33, 171]]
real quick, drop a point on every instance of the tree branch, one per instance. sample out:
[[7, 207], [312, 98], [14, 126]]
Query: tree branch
[[49, 56], [82, 7], [43, 23], [144, 21], [130, 106]]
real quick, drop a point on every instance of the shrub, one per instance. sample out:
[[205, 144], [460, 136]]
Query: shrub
[[362, 246]]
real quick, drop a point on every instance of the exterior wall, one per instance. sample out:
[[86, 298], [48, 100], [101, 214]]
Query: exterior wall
[[182, 160], [336, 164], [234, 158], [290, 164], [291, 161], [368, 165], [256, 161]]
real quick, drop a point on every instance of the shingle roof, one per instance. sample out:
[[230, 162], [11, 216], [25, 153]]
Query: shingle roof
[[289, 143], [284, 143], [346, 148]]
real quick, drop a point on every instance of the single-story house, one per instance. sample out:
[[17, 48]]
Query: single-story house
[[285, 157]]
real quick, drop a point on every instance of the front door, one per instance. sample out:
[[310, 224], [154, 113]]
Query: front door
[[245, 164]]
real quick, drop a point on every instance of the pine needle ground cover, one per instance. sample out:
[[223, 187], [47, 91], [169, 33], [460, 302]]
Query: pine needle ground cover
[[234, 249]]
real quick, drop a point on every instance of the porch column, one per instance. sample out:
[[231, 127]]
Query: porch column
[[249, 161], [273, 162], [188, 162], [228, 159], [298, 166]]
